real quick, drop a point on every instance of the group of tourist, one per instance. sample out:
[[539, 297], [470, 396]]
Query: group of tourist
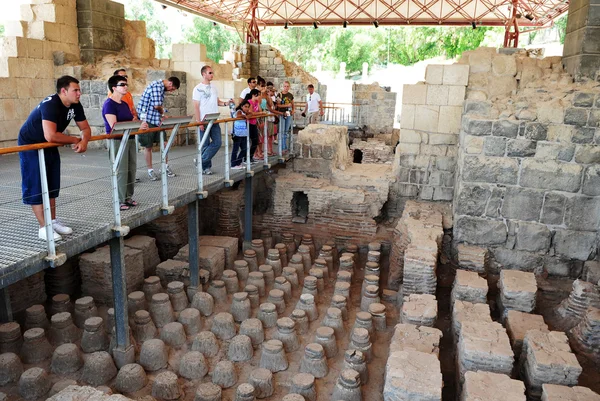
[[48, 121]]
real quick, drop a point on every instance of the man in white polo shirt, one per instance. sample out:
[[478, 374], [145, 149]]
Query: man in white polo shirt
[[314, 106]]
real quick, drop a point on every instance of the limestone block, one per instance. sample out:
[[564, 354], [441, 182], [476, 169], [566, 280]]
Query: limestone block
[[464, 311], [492, 387], [427, 118], [551, 175], [412, 375], [491, 169], [149, 251], [517, 290], [484, 346], [555, 392], [456, 74], [9, 67], [456, 95], [519, 323], [473, 144], [229, 245], [437, 95], [501, 86], [407, 117], [480, 231], [13, 46], [177, 52], [194, 52], [419, 309], [434, 74], [414, 94], [96, 273], [550, 112], [450, 119], [504, 65], [15, 28], [547, 359], [418, 338], [44, 31], [472, 258], [468, 286]]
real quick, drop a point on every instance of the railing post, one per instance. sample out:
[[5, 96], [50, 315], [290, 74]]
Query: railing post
[[163, 176], [248, 156], [280, 137], [52, 257], [228, 182], [265, 147], [248, 206], [193, 243], [123, 353]]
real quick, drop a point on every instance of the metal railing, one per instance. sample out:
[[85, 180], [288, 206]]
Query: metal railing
[[118, 140], [349, 114]]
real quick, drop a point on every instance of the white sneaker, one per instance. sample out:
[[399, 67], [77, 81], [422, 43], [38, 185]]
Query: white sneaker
[[42, 235], [61, 228]]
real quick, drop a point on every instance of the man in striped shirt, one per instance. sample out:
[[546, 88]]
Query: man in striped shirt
[[150, 109]]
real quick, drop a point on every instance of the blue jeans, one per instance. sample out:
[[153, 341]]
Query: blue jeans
[[287, 126], [238, 153], [209, 150]]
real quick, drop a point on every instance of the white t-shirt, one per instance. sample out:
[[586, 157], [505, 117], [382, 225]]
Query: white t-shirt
[[245, 92], [313, 102], [208, 97]]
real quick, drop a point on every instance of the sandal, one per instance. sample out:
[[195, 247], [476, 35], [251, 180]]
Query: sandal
[[124, 206], [130, 202]]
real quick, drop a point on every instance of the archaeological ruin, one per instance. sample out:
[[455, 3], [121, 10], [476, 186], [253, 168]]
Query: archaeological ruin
[[455, 257]]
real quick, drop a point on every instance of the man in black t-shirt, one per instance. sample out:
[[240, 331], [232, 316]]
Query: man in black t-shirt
[[46, 123]]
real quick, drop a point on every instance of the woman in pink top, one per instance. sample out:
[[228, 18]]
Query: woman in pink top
[[252, 97]]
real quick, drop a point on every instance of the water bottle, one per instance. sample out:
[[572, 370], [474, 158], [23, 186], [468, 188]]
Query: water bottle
[[231, 108]]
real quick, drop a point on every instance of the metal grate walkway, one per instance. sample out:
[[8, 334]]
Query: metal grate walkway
[[85, 204]]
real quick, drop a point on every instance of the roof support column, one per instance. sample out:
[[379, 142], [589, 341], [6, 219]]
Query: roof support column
[[253, 33], [511, 39]]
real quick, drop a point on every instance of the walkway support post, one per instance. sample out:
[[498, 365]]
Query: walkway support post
[[5, 308], [248, 206], [193, 243]]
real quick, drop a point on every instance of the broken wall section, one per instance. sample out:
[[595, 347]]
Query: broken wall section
[[377, 107], [528, 184], [430, 122]]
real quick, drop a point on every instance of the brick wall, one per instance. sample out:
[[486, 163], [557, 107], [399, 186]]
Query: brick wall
[[528, 177]]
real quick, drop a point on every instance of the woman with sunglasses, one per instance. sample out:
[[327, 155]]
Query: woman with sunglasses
[[115, 110]]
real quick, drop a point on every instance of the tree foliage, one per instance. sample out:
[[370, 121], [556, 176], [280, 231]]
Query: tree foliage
[[216, 38], [156, 29], [561, 25], [354, 46]]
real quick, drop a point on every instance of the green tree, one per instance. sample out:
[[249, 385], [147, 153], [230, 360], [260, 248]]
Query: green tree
[[144, 10], [216, 38], [1, 30], [561, 25]]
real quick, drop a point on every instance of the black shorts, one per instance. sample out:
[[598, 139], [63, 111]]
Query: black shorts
[[148, 140]]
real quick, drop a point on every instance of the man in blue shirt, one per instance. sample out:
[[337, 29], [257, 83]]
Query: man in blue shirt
[[46, 123], [150, 109]]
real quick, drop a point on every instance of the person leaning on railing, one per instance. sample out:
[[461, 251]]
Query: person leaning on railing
[[46, 123], [240, 133], [115, 110]]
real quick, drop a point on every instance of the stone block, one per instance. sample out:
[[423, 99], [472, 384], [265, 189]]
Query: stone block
[[551, 175], [476, 126], [418, 338], [478, 108], [519, 323], [554, 209], [419, 309], [501, 86], [494, 146], [194, 52], [591, 271], [472, 199], [560, 133], [407, 117], [414, 94], [412, 375], [147, 245], [408, 148], [594, 120], [504, 65], [522, 204], [450, 119], [555, 392], [437, 95], [480, 61], [517, 291], [409, 136], [456, 74], [316, 166], [583, 135], [96, 273], [472, 258], [576, 116], [492, 387], [554, 151], [532, 237], [465, 311], [574, 244], [469, 286], [490, 169], [583, 213], [229, 245], [442, 139], [473, 144], [551, 112], [521, 148], [172, 270], [479, 231], [583, 99], [434, 74], [591, 181], [443, 194], [427, 118], [456, 95], [587, 154]]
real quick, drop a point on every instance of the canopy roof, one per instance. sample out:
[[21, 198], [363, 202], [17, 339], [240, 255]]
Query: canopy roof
[[365, 12]]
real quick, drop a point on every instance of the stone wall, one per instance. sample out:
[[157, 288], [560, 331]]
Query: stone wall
[[430, 123], [581, 51], [377, 106], [100, 26], [528, 179]]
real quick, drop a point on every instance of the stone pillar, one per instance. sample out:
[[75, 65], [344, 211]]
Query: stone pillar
[[581, 52], [100, 24]]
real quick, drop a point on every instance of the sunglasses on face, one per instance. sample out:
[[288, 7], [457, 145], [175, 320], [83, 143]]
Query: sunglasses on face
[[122, 84]]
